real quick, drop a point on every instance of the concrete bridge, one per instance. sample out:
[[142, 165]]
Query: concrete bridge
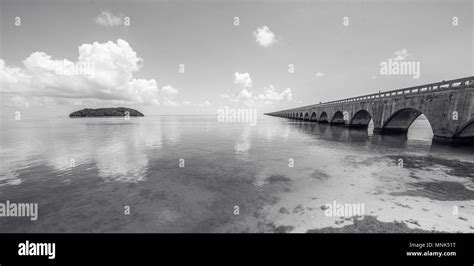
[[448, 106]]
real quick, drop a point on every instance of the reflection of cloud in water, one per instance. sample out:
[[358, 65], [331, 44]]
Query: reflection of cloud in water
[[119, 155], [270, 132], [9, 177], [121, 162], [63, 156], [124, 157], [243, 144], [118, 149], [170, 128], [18, 152], [8, 171]]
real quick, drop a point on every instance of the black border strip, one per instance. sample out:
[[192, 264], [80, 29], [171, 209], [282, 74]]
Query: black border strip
[[237, 248]]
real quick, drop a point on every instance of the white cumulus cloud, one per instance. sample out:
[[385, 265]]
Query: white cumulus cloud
[[264, 36], [169, 90], [245, 94], [270, 96], [107, 19], [243, 79], [103, 71], [168, 93], [252, 98]]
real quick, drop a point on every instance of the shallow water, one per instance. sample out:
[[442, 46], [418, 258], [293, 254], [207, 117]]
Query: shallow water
[[86, 173]]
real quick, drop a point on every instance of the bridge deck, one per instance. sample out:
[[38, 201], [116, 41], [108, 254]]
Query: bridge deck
[[427, 88]]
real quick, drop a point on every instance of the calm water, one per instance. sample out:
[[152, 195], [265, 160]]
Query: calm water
[[83, 173]]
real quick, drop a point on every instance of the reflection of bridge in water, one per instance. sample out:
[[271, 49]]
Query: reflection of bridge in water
[[377, 142], [448, 106]]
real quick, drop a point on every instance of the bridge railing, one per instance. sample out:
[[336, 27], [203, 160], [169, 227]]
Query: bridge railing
[[437, 86], [443, 85]]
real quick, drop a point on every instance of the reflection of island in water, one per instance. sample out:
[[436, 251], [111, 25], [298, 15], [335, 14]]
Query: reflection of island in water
[[101, 112]]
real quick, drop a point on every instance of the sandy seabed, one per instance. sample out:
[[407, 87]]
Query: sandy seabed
[[427, 194]]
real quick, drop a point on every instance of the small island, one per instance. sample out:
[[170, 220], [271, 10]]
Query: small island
[[103, 112]]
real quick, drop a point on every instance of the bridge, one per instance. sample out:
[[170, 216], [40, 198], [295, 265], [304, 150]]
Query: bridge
[[448, 106]]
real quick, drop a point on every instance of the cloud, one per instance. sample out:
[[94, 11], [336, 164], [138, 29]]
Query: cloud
[[102, 71], [168, 93], [107, 19], [267, 97], [170, 102], [400, 55], [245, 94], [11, 75], [242, 95], [204, 104], [320, 74], [264, 36], [270, 96], [243, 79], [18, 101], [251, 97], [169, 90]]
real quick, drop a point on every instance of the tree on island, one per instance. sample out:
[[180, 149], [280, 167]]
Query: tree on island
[[102, 112]]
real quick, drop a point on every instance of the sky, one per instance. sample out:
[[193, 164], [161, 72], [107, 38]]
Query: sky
[[196, 57]]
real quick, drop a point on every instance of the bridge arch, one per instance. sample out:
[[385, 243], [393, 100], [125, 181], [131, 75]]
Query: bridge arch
[[466, 130], [313, 117], [400, 121], [338, 118], [323, 118], [306, 116], [360, 119], [301, 115]]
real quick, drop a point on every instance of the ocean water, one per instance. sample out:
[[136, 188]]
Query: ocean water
[[195, 174]]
